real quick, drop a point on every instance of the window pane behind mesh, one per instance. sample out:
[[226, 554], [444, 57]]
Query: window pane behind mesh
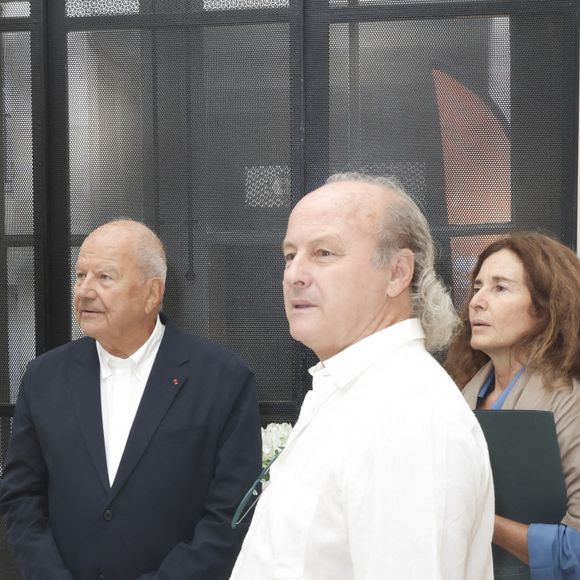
[[16, 215], [14, 9], [468, 113], [190, 131], [76, 8], [16, 124]]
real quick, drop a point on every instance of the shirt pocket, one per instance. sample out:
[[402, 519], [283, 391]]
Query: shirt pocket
[[291, 526]]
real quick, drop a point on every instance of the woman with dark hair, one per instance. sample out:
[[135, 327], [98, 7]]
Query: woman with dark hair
[[518, 347]]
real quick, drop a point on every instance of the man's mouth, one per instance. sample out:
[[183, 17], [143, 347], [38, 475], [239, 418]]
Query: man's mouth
[[302, 305]]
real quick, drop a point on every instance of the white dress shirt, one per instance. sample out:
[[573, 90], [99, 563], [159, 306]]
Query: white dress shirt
[[385, 476], [123, 382]]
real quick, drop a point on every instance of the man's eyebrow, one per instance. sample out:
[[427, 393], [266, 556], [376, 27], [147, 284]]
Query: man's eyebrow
[[323, 239]]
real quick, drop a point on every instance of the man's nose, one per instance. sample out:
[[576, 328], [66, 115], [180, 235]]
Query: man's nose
[[84, 288], [297, 272]]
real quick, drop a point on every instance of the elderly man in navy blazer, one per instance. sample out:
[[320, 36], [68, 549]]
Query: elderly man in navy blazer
[[132, 446]]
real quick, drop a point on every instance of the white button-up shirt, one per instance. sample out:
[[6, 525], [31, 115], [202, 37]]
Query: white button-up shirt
[[123, 382], [385, 476]]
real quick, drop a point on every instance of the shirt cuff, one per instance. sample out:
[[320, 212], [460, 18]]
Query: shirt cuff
[[541, 541]]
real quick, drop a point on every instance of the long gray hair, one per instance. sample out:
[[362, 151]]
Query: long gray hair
[[405, 226]]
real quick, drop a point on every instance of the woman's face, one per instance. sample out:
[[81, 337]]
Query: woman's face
[[501, 312]]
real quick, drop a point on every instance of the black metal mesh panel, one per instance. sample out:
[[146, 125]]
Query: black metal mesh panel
[[16, 211], [16, 133], [471, 114], [76, 8], [14, 9], [191, 132], [110, 96], [21, 319]]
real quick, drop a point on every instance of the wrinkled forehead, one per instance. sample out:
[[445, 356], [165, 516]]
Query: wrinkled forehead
[[359, 205], [108, 243]]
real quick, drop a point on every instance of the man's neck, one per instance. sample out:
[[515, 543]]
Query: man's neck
[[129, 345]]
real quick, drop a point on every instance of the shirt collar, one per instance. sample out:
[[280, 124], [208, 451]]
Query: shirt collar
[[349, 363], [486, 387], [109, 362]]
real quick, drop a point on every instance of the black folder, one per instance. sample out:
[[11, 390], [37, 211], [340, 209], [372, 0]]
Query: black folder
[[527, 472]]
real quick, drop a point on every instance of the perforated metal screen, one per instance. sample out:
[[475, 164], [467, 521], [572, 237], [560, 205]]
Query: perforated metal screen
[[191, 130], [209, 119]]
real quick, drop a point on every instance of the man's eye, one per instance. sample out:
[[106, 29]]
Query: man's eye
[[80, 275], [289, 257], [324, 253]]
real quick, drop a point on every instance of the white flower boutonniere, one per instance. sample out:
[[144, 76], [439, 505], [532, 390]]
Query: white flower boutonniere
[[274, 437]]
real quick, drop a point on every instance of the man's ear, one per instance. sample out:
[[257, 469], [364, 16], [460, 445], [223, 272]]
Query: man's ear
[[155, 296], [402, 266]]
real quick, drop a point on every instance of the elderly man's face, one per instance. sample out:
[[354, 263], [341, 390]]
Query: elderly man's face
[[333, 293], [112, 296]]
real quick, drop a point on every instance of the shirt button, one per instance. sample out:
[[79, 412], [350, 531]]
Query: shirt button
[[108, 515], [100, 576]]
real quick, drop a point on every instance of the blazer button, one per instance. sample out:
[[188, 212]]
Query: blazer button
[[108, 515], [100, 576]]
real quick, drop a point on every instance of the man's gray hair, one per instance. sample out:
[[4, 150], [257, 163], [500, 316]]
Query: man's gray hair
[[405, 226], [150, 250]]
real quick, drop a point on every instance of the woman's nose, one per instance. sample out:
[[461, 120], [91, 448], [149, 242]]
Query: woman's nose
[[478, 300]]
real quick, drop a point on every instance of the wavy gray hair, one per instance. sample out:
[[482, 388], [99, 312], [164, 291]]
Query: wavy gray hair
[[405, 226]]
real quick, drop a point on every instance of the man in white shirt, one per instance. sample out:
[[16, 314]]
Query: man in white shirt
[[132, 446], [386, 474]]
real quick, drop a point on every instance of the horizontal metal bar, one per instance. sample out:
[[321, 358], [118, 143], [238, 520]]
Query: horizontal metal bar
[[180, 20], [459, 230], [6, 410], [275, 237], [439, 10]]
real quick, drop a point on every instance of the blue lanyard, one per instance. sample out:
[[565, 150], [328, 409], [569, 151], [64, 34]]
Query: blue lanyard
[[501, 400]]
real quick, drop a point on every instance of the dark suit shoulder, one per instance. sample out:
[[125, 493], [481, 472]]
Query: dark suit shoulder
[[74, 348], [205, 351], [46, 373]]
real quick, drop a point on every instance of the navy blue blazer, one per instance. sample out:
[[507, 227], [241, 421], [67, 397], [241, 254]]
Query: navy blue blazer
[[193, 451]]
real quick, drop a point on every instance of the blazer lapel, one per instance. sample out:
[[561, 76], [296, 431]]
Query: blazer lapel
[[85, 391], [166, 379]]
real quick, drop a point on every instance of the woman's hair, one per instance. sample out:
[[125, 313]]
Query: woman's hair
[[552, 275], [404, 226]]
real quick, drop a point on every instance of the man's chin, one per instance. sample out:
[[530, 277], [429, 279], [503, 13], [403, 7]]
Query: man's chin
[[302, 334], [88, 329]]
